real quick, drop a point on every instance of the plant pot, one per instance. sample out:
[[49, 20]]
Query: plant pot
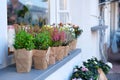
[[52, 55], [102, 75], [60, 53], [66, 51], [56, 54], [41, 58], [72, 44], [23, 59]]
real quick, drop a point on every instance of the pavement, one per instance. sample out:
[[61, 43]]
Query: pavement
[[114, 58]]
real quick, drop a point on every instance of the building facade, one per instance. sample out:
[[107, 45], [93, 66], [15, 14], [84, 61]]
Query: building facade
[[84, 13]]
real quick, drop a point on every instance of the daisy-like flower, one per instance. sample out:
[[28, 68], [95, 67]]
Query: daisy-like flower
[[109, 64], [75, 70]]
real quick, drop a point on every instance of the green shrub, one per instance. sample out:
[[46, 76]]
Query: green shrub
[[24, 40], [43, 40]]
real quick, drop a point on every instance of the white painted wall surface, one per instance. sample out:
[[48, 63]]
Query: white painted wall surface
[[65, 71], [81, 11], [3, 33]]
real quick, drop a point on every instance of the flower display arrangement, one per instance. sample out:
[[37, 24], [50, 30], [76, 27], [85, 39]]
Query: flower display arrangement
[[58, 37], [51, 41], [42, 43], [23, 53], [90, 70], [81, 73]]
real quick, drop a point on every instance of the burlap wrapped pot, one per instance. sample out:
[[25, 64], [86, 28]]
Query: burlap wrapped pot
[[60, 53], [52, 55], [23, 59], [72, 44], [41, 58], [102, 75], [66, 51]]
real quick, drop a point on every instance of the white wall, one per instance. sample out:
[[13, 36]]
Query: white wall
[[3, 33], [65, 71], [81, 11]]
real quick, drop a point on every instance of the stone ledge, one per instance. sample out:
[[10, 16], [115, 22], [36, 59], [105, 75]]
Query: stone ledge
[[96, 28], [10, 73]]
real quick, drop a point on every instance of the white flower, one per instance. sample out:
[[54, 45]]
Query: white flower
[[95, 62], [109, 64], [75, 70], [91, 79], [79, 79]]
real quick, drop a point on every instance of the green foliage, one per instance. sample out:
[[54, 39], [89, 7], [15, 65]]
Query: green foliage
[[77, 31], [56, 43], [93, 64], [81, 72], [90, 70], [43, 40], [24, 40]]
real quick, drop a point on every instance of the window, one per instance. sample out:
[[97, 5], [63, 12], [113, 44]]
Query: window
[[33, 12], [63, 14], [25, 12]]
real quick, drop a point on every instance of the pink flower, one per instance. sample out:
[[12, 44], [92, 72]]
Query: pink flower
[[56, 35], [62, 36], [84, 69]]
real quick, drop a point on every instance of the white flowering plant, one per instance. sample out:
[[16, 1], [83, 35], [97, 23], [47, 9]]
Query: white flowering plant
[[90, 70], [81, 73], [94, 64]]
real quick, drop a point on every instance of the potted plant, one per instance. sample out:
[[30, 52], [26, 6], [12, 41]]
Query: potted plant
[[81, 73], [93, 70], [58, 38], [76, 31], [52, 55], [94, 65], [66, 38], [41, 54], [23, 54]]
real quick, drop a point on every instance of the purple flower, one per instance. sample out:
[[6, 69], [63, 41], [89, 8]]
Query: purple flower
[[84, 69], [56, 35], [62, 36]]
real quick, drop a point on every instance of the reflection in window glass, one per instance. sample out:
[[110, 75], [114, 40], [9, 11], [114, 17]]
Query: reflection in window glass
[[32, 12], [64, 17], [25, 12]]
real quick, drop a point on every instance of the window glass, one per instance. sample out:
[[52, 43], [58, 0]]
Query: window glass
[[63, 14], [34, 12], [64, 17], [25, 12], [63, 4]]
